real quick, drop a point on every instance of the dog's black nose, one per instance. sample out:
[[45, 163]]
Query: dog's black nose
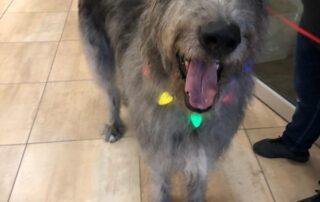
[[219, 37]]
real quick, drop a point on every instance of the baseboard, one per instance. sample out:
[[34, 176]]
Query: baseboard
[[276, 102]]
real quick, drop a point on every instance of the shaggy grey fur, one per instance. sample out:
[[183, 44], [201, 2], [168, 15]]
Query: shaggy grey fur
[[123, 36]]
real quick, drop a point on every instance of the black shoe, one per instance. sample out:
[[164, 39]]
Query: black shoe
[[315, 198], [275, 148]]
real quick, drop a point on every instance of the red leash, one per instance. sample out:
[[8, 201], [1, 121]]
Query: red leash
[[294, 26]]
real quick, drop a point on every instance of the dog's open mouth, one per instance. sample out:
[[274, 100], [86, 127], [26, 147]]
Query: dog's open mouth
[[201, 84]]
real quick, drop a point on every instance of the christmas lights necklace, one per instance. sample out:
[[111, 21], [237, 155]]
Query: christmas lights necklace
[[165, 98]]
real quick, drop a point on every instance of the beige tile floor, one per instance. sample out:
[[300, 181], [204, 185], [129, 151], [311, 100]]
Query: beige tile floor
[[52, 114]]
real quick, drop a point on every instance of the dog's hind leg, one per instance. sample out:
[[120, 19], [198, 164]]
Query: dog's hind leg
[[100, 54]]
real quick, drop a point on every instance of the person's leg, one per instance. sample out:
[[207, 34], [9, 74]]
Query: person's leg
[[304, 128]]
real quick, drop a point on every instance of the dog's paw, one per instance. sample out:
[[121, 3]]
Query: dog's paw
[[113, 133]]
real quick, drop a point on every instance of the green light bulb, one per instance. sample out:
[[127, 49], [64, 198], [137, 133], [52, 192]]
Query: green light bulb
[[196, 120]]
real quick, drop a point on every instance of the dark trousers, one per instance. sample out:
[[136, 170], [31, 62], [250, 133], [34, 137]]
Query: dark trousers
[[304, 129]]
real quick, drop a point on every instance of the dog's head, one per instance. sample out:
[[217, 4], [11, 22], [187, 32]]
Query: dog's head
[[200, 43]]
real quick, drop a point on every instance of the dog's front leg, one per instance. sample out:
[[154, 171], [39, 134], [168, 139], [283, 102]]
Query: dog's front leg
[[160, 187], [196, 171], [196, 187]]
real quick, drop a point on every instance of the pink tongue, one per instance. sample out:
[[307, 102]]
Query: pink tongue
[[201, 84]]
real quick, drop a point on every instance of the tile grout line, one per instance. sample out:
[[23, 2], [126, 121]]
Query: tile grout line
[[44, 82], [259, 163], [12, 145], [53, 60], [28, 42], [272, 110], [5, 11], [26, 144], [43, 11], [66, 141], [51, 142], [66, 81], [263, 128], [38, 107], [59, 141], [140, 184]]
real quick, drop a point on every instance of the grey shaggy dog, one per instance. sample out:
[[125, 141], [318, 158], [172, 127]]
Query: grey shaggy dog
[[194, 49]]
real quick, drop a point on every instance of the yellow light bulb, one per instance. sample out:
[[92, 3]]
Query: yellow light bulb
[[165, 98]]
